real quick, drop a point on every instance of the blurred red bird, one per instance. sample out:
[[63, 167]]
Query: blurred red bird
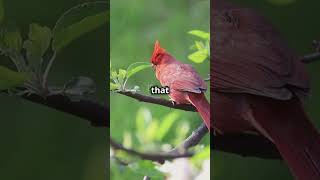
[[186, 86], [258, 84]]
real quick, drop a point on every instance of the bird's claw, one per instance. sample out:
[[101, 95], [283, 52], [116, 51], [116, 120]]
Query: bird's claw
[[173, 102]]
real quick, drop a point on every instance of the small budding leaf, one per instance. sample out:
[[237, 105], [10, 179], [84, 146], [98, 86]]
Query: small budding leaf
[[201, 34], [137, 67], [146, 168], [113, 75], [121, 75], [10, 39], [199, 56], [199, 45], [38, 43], [114, 86], [10, 79], [202, 47]]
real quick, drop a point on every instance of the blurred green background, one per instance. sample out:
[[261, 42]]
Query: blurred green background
[[41, 143], [298, 21], [135, 25]]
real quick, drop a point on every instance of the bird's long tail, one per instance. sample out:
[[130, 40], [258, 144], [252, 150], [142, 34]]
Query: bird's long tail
[[287, 125], [202, 105]]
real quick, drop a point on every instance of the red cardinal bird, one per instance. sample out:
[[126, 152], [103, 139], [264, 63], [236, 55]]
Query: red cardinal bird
[[259, 84], [186, 86]]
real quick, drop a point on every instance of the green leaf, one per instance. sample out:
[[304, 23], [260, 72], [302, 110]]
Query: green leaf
[[10, 79], [10, 39], [199, 45], [80, 86], [143, 117], [127, 140], [38, 43], [152, 130], [140, 120], [200, 34], [146, 168], [181, 132], [166, 124], [137, 67], [121, 75], [114, 86], [199, 56], [113, 75], [1, 11], [202, 155], [78, 21]]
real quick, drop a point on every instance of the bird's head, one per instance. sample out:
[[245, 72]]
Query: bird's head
[[157, 54]]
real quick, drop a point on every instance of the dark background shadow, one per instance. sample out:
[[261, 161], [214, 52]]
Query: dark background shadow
[[298, 22], [41, 143]]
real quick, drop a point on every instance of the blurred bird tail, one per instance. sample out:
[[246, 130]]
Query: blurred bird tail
[[287, 125], [202, 105]]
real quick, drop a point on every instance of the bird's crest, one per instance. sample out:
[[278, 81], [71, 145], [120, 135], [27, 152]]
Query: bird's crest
[[156, 53]]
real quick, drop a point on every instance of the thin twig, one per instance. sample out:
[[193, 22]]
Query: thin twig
[[158, 157], [47, 70], [193, 139]]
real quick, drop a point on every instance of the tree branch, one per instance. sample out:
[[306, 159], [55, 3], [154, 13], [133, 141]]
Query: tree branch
[[157, 100], [193, 139], [93, 112], [246, 145], [159, 157]]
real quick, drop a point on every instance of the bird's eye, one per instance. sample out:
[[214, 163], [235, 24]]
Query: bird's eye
[[157, 56], [230, 18]]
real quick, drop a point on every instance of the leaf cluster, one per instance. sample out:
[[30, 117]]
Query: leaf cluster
[[34, 56], [201, 47], [120, 77]]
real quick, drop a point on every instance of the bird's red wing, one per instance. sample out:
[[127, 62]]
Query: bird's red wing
[[249, 57], [187, 79]]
